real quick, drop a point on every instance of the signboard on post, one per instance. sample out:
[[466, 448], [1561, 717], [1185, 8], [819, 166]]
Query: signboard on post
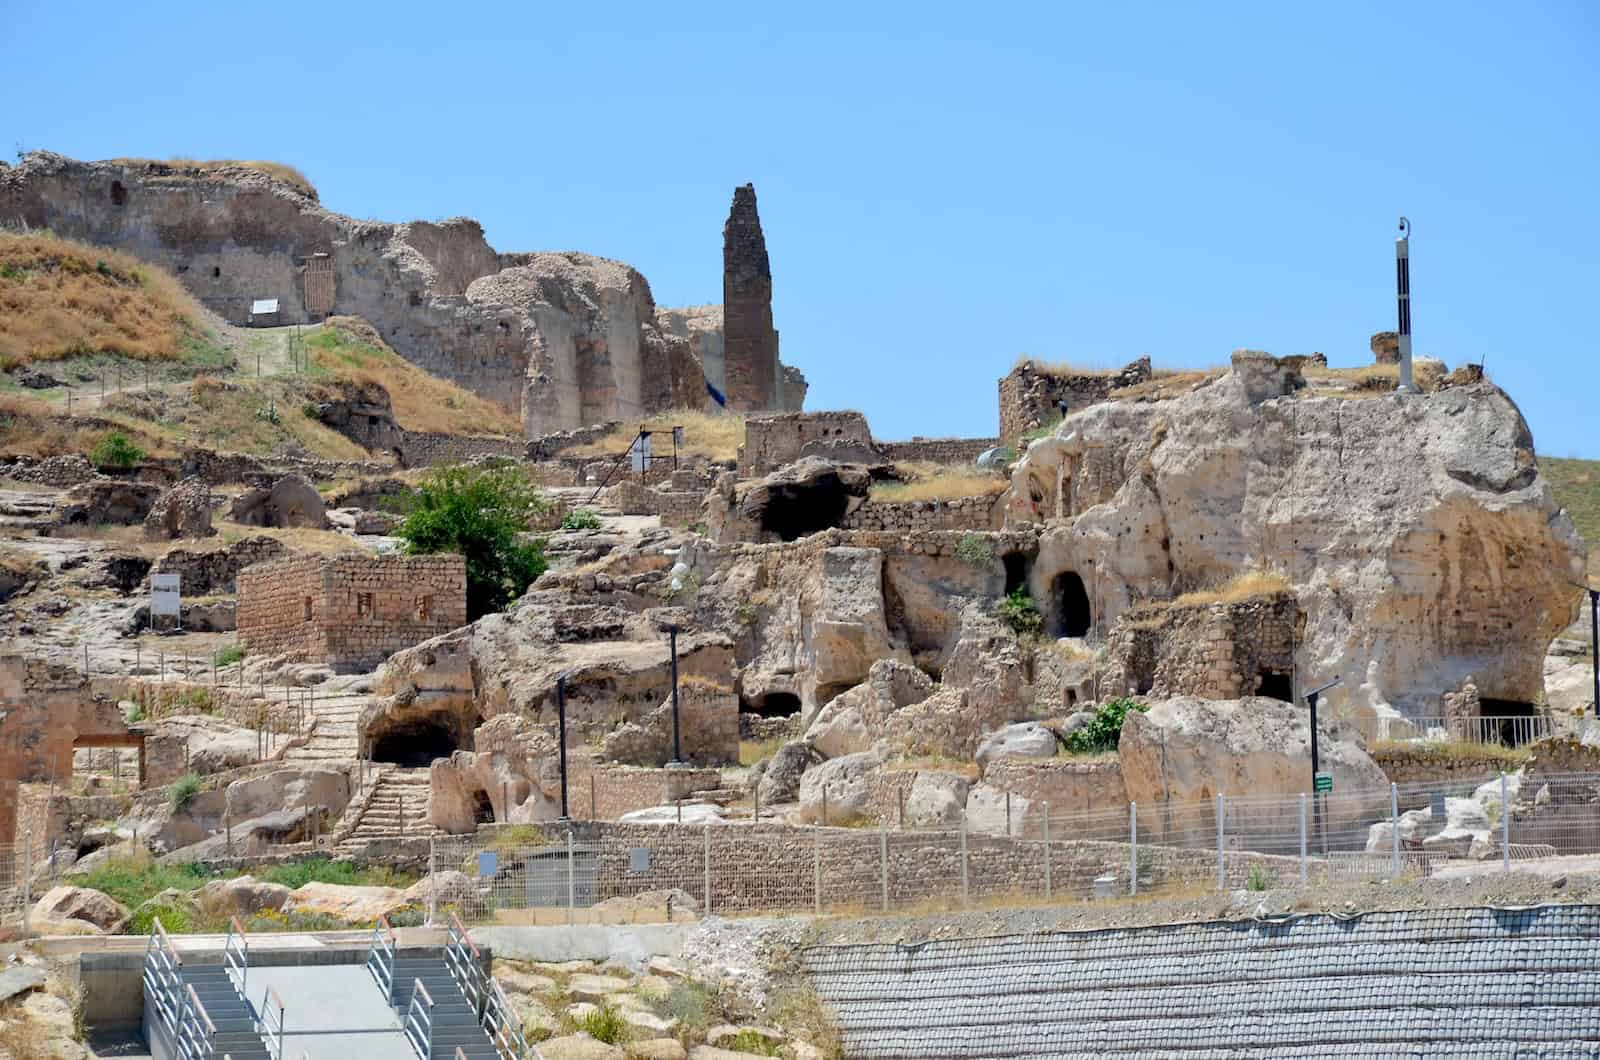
[[641, 453], [164, 595], [1322, 783]]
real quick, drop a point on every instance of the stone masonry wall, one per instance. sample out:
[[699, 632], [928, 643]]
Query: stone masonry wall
[[772, 441], [1030, 392], [1411, 765], [750, 345], [936, 450], [965, 513], [675, 507], [217, 571], [1215, 651], [424, 449], [606, 792], [1068, 786], [282, 605]]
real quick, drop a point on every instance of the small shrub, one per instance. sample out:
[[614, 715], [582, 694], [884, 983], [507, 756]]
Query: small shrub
[[753, 1042], [1258, 879], [230, 655], [116, 452], [975, 550], [183, 790], [580, 519], [604, 1024], [174, 918], [687, 1002], [1103, 732], [1020, 613]]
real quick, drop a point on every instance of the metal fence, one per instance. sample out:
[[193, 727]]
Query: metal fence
[[1512, 730], [586, 871]]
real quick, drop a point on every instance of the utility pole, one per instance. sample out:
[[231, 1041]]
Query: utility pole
[[1320, 786], [1402, 282], [677, 748], [561, 725]]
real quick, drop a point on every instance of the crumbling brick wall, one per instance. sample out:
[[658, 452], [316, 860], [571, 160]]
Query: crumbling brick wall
[[1030, 394], [350, 611], [1215, 651], [772, 441]]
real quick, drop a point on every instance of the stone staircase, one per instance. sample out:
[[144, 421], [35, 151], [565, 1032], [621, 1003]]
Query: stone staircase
[[395, 808], [334, 743]]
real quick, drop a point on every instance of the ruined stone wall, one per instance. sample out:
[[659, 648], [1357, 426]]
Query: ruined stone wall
[[775, 440], [965, 513], [1030, 393], [750, 359], [282, 607], [605, 792], [217, 571], [425, 449], [1068, 786], [936, 450], [1422, 764], [547, 446], [675, 507], [1215, 651], [708, 730], [49, 706]]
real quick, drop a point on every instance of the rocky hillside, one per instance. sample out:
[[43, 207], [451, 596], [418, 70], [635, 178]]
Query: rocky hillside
[[1576, 485]]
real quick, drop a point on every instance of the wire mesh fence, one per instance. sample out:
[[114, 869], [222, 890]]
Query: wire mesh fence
[[586, 871]]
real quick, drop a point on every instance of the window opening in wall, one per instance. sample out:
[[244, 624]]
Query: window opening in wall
[[772, 705], [363, 605], [424, 608], [216, 270], [1509, 722], [1275, 685], [308, 609], [1073, 617], [1016, 571]]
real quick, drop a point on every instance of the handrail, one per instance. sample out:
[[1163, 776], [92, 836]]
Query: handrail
[[419, 1021], [461, 930], [266, 1012], [502, 1025], [380, 959], [196, 1037], [236, 956], [465, 963], [163, 974]]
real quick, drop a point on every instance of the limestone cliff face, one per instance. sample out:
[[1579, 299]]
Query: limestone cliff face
[[564, 339], [702, 325], [1416, 531]]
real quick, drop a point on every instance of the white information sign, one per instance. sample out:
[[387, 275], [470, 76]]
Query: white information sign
[[641, 452], [164, 596]]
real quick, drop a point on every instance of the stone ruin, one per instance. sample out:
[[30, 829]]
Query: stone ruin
[[562, 339]]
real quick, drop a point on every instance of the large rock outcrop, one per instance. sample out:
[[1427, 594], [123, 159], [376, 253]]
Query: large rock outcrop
[[1416, 532], [564, 339]]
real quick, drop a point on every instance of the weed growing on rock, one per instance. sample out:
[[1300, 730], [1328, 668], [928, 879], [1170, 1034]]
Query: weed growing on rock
[[580, 519], [1020, 613], [183, 790], [1258, 879], [975, 550], [604, 1024], [1103, 732], [230, 655], [116, 453]]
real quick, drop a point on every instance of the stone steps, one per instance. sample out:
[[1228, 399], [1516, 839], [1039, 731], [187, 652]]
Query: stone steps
[[396, 808]]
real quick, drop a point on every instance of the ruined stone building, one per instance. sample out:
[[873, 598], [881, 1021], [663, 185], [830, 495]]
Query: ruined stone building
[[563, 339], [750, 342], [350, 612]]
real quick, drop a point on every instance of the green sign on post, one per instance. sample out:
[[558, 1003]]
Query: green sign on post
[[1322, 782]]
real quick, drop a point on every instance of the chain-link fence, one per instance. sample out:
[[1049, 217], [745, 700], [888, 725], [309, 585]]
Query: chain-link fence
[[586, 871], [15, 891]]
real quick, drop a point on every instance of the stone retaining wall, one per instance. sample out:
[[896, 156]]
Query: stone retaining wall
[[1030, 393], [606, 792], [936, 450], [425, 449], [217, 571], [1215, 651], [772, 441], [1068, 785], [965, 513], [1410, 765]]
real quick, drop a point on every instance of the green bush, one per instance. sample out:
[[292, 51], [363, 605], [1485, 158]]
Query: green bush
[[974, 550], [1020, 613], [116, 452], [176, 919], [230, 655], [604, 1024], [753, 1042], [580, 519], [322, 870], [183, 790], [479, 513], [1258, 880], [137, 878], [1103, 732]]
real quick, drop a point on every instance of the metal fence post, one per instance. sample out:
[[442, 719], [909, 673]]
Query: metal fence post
[[1133, 847], [1505, 826], [1045, 821], [1222, 859], [27, 881], [965, 892], [707, 837], [1302, 838], [572, 883], [816, 868], [1394, 831], [883, 862], [433, 885]]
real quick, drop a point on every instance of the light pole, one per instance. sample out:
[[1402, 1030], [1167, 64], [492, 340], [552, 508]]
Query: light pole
[[561, 726], [1402, 284], [1316, 759], [677, 748]]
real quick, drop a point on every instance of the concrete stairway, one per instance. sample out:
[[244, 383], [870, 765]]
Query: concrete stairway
[[455, 1023], [396, 808], [236, 1036]]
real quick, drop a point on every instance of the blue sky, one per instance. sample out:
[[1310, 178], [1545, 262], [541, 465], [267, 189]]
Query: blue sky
[[943, 187]]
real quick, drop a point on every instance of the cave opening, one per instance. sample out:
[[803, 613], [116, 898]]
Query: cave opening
[[795, 511], [415, 744], [119, 194], [771, 705], [1509, 722], [1275, 684], [482, 808], [1016, 571], [1073, 617]]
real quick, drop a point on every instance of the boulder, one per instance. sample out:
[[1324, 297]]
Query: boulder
[[853, 720], [657, 1049], [353, 905], [326, 791], [115, 501], [66, 902], [692, 813], [986, 810], [942, 726], [844, 783], [579, 1047], [443, 888], [1190, 750], [780, 782], [935, 799], [666, 906], [1026, 739], [289, 502], [1466, 824], [594, 988], [182, 511], [243, 895]]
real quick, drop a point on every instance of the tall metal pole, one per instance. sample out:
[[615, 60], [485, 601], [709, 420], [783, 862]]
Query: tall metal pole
[[677, 749], [1594, 644], [1402, 280], [561, 721], [1316, 759]]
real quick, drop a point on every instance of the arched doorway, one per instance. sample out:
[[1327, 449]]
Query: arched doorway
[[1073, 617]]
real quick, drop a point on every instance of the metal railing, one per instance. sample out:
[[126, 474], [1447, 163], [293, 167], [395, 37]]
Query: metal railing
[[380, 958], [504, 1028], [163, 976], [196, 1035], [236, 954], [271, 1025], [1508, 730], [419, 1020], [461, 956], [488, 1002]]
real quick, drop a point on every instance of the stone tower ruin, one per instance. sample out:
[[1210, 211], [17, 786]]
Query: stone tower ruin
[[750, 342]]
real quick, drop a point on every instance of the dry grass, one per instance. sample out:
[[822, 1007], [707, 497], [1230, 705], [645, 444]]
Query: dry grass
[[753, 751], [1576, 485], [348, 348], [713, 435], [1367, 380], [1061, 368], [936, 764], [59, 298], [1455, 749], [260, 418], [1249, 585], [30, 427], [1165, 384], [938, 482], [299, 539], [276, 170]]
